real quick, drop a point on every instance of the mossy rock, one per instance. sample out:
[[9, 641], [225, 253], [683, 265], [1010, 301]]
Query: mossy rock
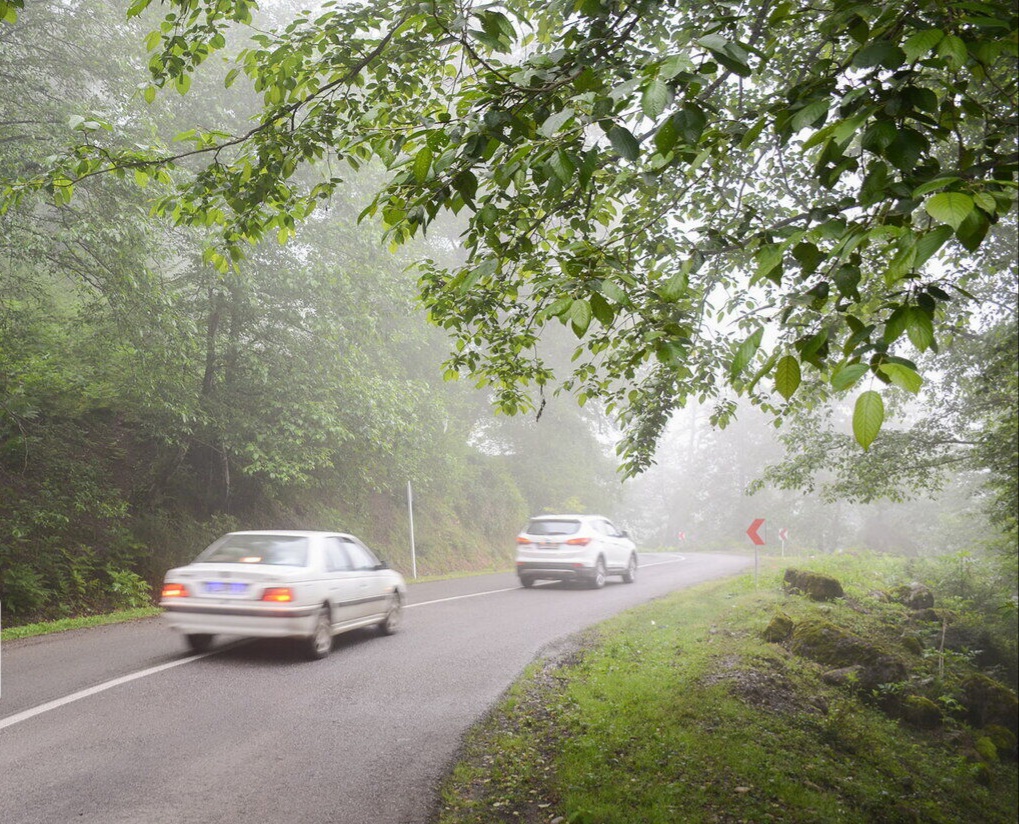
[[826, 643], [915, 596], [912, 644], [1004, 740], [989, 702], [779, 629], [815, 586], [920, 712]]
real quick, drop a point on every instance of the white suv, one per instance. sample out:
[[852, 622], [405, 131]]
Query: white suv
[[574, 548]]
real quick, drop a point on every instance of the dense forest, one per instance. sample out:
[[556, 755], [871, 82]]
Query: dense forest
[[154, 395], [150, 403]]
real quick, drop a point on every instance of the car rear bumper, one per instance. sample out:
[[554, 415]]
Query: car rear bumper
[[553, 570], [234, 619]]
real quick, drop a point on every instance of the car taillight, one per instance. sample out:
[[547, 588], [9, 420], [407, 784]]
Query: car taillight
[[175, 591], [278, 594], [522, 540], [579, 541]]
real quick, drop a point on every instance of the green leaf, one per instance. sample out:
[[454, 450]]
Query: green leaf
[[845, 376], [902, 376], [675, 287], [787, 376], [881, 53], [868, 415], [554, 122], [806, 116], [746, 352], [973, 230], [919, 328], [656, 98], [624, 142], [422, 164], [934, 185], [895, 325], [953, 49], [580, 316], [921, 43], [929, 243], [949, 207]]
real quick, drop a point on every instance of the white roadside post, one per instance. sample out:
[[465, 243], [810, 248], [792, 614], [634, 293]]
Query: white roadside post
[[410, 513]]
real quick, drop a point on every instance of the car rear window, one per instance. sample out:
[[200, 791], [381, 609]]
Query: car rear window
[[279, 550], [552, 527]]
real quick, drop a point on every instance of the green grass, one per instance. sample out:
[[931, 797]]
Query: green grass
[[64, 624], [679, 711]]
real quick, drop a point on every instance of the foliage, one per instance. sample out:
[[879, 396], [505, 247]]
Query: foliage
[[149, 402], [670, 181]]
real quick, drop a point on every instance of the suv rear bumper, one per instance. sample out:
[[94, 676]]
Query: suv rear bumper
[[559, 571]]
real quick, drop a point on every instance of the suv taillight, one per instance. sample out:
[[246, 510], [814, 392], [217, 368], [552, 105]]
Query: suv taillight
[[579, 541]]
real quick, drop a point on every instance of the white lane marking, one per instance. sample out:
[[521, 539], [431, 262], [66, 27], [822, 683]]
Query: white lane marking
[[459, 597], [11, 720], [116, 682], [512, 589]]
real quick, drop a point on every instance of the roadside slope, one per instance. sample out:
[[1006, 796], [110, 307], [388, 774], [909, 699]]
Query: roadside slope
[[863, 709]]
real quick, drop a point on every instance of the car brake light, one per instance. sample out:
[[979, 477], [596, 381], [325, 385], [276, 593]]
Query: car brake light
[[175, 591], [579, 541], [278, 594], [522, 540]]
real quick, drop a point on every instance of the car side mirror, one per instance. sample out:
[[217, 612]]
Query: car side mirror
[[381, 565]]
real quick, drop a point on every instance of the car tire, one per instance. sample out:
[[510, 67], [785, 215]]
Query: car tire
[[526, 581], [631, 571], [394, 612], [598, 576], [319, 644], [198, 641]]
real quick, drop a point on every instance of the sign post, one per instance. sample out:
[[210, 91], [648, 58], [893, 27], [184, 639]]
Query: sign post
[[413, 551], [757, 541]]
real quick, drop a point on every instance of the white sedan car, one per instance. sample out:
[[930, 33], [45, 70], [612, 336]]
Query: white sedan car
[[283, 584]]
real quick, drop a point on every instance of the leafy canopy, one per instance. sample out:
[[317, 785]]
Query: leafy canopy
[[716, 197]]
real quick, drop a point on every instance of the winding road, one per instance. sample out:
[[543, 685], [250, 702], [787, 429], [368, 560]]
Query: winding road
[[118, 725]]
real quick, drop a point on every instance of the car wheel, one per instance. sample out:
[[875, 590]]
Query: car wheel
[[631, 571], [598, 578], [526, 581], [391, 623], [320, 642], [198, 641]]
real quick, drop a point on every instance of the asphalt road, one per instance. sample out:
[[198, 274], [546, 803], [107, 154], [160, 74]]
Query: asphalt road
[[117, 725]]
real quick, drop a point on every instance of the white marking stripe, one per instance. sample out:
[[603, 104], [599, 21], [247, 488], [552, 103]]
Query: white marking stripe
[[116, 682], [458, 597], [77, 696]]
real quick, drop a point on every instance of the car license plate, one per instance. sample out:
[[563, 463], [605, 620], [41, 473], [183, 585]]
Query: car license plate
[[548, 546], [225, 587]]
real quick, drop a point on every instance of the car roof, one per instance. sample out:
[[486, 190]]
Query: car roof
[[565, 517], [295, 533]]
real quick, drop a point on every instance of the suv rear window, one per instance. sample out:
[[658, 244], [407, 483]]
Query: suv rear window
[[552, 527]]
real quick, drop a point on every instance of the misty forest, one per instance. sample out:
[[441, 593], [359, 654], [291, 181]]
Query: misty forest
[[269, 268]]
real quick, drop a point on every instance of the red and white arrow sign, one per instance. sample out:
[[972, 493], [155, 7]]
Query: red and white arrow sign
[[783, 533], [752, 532], [682, 536]]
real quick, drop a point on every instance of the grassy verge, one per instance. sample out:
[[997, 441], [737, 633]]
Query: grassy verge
[[64, 624], [680, 711]]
